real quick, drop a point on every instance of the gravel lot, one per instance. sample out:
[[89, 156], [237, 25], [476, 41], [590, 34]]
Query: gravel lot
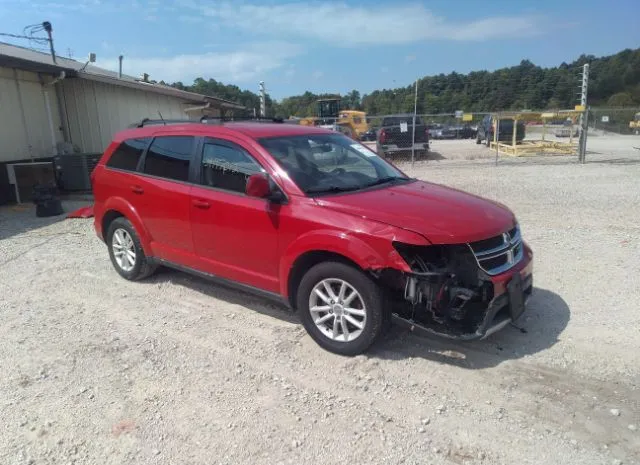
[[174, 370]]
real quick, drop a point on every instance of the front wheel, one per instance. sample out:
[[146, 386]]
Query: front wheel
[[340, 307]]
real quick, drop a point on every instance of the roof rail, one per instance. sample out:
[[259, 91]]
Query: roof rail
[[204, 120]]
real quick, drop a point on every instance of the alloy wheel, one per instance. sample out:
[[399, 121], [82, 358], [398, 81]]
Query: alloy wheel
[[124, 249], [337, 309]]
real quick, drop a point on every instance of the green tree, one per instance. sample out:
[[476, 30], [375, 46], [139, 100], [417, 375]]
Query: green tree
[[621, 99]]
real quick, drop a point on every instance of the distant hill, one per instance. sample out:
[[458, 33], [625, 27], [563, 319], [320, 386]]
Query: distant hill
[[614, 81]]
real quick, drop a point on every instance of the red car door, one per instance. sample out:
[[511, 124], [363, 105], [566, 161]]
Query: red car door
[[163, 192], [235, 236]]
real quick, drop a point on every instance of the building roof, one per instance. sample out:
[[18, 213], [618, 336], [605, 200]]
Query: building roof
[[13, 56]]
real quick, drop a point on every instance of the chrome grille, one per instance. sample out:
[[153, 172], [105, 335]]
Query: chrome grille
[[499, 253]]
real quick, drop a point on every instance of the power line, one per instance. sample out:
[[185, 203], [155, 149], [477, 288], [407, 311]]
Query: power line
[[29, 33]]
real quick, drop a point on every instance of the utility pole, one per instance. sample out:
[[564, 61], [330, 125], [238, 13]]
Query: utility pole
[[413, 137], [584, 121], [48, 29], [263, 101]]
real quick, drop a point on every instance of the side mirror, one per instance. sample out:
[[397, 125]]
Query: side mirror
[[258, 186], [261, 186]]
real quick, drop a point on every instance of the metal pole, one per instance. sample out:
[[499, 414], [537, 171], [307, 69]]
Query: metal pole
[[582, 145], [48, 29], [496, 136], [413, 135], [513, 135], [583, 132], [263, 102]]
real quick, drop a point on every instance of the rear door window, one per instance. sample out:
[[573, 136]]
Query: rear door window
[[169, 157], [128, 153]]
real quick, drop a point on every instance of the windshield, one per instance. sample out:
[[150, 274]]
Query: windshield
[[328, 163]]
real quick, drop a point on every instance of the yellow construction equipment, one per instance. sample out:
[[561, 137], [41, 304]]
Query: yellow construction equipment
[[329, 114], [635, 124]]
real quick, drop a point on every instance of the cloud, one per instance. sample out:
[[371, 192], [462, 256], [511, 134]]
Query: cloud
[[245, 65], [410, 58], [290, 72], [340, 23], [317, 75], [190, 19]]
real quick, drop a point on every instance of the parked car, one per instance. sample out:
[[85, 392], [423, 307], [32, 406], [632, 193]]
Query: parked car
[[505, 133], [369, 135], [440, 131], [315, 220], [465, 131], [396, 135]]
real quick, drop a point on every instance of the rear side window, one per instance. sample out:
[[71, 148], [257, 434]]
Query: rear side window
[[227, 166], [169, 156], [127, 155]]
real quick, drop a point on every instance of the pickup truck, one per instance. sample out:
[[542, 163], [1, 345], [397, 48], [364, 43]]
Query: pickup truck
[[396, 135], [505, 134]]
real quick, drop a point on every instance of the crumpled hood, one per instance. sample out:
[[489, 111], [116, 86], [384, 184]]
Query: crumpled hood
[[441, 214]]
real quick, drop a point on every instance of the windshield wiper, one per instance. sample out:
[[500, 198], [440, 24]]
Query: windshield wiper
[[322, 190], [386, 180]]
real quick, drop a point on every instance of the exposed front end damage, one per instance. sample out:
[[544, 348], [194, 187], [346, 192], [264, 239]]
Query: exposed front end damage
[[461, 291]]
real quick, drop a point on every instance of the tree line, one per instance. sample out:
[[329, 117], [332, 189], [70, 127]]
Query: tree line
[[614, 82]]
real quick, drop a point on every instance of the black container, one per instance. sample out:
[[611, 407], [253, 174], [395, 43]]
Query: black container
[[47, 200]]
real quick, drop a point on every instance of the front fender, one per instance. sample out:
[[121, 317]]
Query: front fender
[[343, 243], [127, 210]]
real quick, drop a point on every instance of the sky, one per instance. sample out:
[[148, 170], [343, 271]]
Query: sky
[[325, 46]]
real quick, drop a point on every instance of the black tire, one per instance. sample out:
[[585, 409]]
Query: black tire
[[488, 141], [478, 140], [372, 297], [142, 267]]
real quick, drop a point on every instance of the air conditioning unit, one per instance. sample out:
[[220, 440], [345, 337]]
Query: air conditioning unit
[[73, 170]]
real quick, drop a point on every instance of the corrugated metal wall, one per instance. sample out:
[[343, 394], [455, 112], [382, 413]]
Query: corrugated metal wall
[[95, 111], [24, 123]]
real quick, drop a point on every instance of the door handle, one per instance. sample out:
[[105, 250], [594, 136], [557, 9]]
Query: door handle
[[137, 190], [201, 204]]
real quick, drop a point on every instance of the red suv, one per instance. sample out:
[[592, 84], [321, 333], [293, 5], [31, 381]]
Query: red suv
[[316, 220]]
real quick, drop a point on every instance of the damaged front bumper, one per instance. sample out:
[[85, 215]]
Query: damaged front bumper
[[498, 314], [487, 309]]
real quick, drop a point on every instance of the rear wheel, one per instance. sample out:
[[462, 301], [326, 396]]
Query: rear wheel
[[478, 140], [126, 252], [488, 141], [340, 307]]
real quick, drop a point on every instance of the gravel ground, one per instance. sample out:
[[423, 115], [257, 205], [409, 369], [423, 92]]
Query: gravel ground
[[174, 370]]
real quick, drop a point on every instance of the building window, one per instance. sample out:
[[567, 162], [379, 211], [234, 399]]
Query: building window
[[127, 155], [227, 166], [168, 157]]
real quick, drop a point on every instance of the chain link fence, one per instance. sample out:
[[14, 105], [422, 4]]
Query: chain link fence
[[612, 121], [458, 136], [490, 135]]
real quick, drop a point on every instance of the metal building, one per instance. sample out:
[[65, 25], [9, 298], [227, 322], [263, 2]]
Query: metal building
[[47, 107]]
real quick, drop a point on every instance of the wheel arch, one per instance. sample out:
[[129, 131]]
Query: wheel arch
[[317, 246], [304, 263], [116, 208]]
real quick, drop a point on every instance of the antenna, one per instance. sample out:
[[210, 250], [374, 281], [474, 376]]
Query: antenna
[[163, 121]]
